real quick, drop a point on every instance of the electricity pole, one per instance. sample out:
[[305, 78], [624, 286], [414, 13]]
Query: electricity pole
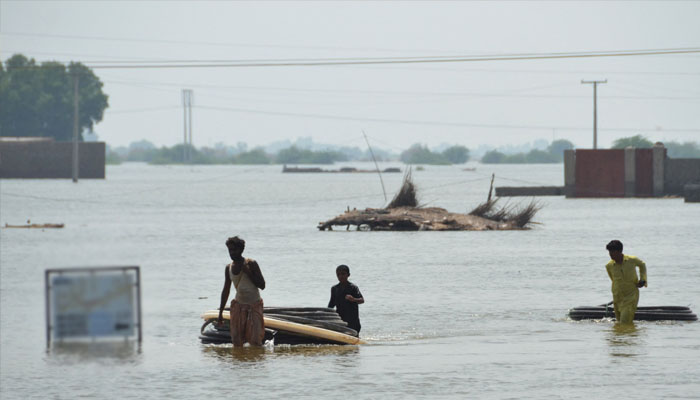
[[187, 110], [595, 114], [75, 126]]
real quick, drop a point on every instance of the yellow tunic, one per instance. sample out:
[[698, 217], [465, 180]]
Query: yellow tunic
[[624, 286]]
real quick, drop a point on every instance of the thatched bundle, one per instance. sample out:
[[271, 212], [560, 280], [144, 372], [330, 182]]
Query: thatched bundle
[[520, 217], [523, 217], [406, 197], [404, 214]]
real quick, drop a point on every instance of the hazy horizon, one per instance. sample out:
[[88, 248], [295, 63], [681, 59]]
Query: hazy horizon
[[495, 103]]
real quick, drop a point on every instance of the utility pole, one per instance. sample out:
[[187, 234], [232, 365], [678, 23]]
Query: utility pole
[[595, 113], [187, 112], [76, 113]]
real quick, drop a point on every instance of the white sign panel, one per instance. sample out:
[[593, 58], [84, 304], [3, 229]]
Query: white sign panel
[[92, 302]]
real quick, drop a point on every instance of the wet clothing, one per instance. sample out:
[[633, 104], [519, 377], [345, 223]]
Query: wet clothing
[[624, 286], [246, 291], [246, 320], [247, 324], [347, 310]]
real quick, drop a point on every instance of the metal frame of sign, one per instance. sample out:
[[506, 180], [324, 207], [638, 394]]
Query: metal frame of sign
[[90, 270]]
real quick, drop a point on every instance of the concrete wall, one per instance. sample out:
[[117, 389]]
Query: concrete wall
[[49, 159], [644, 174], [679, 172], [506, 191]]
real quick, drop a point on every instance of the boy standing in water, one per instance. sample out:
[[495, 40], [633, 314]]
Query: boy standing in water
[[345, 297], [246, 320], [625, 283]]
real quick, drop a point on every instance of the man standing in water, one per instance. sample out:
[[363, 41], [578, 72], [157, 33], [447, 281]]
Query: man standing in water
[[345, 297], [246, 309], [625, 283]]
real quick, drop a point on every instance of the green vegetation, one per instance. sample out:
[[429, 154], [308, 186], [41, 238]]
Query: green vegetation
[[637, 141], [255, 156], [112, 158], [145, 151], [294, 155], [683, 150], [457, 154], [553, 154], [420, 154], [37, 100], [674, 149]]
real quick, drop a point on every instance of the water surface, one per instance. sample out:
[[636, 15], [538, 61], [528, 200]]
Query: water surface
[[447, 314]]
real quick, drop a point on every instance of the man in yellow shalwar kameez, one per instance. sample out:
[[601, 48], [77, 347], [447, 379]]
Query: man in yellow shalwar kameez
[[625, 283]]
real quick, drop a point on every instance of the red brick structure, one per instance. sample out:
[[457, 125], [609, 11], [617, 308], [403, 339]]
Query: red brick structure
[[30, 158], [627, 172]]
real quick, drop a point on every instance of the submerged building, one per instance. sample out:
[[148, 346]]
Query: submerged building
[[629, 172], [39, 157]]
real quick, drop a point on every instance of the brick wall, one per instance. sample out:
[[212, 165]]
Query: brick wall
[[600, 173], [49, 159]]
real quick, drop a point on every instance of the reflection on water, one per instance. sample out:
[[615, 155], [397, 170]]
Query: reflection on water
[[626, 340], [68, 353], [228, 353]]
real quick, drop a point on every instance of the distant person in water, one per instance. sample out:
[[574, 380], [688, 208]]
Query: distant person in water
[[625, 282], [246, 309], [345, 297]]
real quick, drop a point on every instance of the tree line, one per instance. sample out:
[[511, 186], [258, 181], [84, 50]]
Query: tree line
[[36, 100], [208, 155], [674, 149]]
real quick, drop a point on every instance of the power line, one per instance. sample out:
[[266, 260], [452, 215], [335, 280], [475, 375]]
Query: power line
[[394, 60], [504, 94], [489, 70]]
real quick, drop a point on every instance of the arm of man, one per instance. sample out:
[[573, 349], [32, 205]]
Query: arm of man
[[331, 302], [642, 273], [224, 295], [256, 275], [607, 268], [356, 296]]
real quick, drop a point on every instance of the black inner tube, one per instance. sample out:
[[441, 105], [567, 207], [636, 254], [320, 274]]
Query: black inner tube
[[647, 313], [321, 317]]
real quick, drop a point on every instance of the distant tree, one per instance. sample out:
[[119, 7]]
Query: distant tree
[[541, 157], [173, 155], [255, 156], [637, 141], [517, 158], [112, 157], [557, 147], [419, 154], [683, 150], [143, 150], [37, 100], [290, 155], [294, 155], [456, 154], [493, 157]]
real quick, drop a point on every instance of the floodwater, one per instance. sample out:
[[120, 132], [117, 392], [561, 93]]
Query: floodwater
[[447, 314]]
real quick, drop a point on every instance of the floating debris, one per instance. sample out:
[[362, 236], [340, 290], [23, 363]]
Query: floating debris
[[35, 226], [287, 169], [404, 214]]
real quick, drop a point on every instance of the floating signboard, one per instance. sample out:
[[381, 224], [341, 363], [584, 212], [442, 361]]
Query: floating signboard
[[93, 303]]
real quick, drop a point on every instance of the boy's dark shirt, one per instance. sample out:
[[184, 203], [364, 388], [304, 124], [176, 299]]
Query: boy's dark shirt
[[347, 310]]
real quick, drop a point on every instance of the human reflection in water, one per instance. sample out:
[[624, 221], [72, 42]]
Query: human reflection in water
[[256, 354], [246, 354], [626, 340]]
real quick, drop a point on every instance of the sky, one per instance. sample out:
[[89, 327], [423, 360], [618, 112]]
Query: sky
[[469, 103]]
